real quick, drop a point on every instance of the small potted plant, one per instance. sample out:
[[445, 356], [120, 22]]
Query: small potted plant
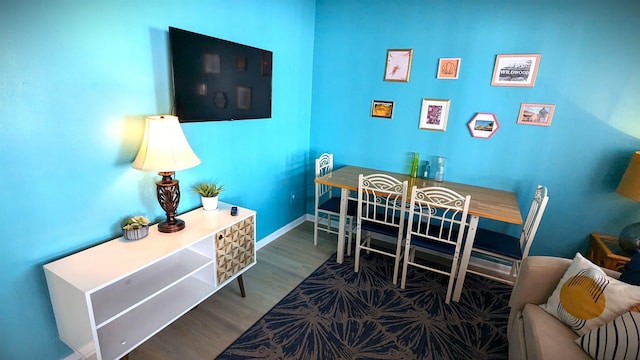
[[135, 228], [208, 191]]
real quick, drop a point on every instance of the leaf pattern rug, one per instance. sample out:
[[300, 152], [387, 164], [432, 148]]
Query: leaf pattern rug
[[336, 313]]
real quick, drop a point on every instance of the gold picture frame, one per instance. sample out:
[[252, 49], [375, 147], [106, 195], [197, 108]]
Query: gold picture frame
[[398, 66]]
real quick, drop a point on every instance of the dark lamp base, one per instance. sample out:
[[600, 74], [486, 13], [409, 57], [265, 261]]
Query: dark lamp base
[[629, 238], [168, 190], [165, 227]]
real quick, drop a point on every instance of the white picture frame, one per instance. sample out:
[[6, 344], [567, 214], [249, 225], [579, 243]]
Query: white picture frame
[[434, 114]]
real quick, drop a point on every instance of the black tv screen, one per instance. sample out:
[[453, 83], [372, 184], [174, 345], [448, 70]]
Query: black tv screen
[[216, 79]]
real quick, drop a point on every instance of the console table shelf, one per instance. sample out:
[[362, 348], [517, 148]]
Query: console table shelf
[[110, 298]]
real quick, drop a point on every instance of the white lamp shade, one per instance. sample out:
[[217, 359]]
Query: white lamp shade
[[164, 147], [630, 184]]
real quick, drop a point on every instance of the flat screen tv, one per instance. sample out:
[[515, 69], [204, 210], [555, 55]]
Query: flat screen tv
[[216, 79]]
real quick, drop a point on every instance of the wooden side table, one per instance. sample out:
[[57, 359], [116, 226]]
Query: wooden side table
[[606, 252]]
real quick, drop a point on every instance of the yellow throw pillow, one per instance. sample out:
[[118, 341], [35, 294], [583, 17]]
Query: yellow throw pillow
[[586, 298]]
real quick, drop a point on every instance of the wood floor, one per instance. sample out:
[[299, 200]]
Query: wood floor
[[204, 332]]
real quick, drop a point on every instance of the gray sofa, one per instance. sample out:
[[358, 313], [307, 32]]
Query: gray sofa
[[532, 332]]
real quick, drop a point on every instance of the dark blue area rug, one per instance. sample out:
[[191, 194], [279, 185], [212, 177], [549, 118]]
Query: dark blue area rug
[[338, 314]]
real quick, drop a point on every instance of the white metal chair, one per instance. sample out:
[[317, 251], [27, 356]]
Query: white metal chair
[[382, 202], [506, 249], [327, 211], [438, 218]]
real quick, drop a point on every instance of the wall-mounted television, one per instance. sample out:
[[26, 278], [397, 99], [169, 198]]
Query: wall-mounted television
[[216, 79]]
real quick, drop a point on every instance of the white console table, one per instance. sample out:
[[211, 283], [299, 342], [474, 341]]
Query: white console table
[[110, 298]]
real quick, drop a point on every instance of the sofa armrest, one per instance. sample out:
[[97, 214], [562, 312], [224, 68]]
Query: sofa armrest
[[538, 277]]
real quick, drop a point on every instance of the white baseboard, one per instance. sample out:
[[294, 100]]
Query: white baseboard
[[74, 356], [89, 350], [283, 230]]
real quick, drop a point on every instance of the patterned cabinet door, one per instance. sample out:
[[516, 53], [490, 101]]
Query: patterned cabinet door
[[235, 248]]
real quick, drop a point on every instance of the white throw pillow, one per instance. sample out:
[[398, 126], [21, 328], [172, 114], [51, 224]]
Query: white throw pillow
[[616, 340], [586, 298]]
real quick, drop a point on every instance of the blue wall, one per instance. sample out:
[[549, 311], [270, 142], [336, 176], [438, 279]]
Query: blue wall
[[589, 70], [78, 78]]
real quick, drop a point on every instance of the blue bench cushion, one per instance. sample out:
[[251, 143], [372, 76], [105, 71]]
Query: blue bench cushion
[[499, 243], [434, 245], [333, 205], [380, 228]]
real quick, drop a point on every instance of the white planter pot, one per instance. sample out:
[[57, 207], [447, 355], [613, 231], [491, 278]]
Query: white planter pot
[[136, 234], [209, 203]]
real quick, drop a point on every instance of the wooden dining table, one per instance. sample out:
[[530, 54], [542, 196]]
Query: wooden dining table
[[486, 203]]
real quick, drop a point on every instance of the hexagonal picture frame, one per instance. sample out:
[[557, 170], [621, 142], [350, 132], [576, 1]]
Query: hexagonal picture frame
[[483, 125]]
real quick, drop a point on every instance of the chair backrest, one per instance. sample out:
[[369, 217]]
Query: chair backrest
[[531, 223], [382, 199], [439, 214], [324, 166]]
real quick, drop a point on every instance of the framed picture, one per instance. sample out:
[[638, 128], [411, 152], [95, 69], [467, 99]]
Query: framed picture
[[536, 114], [220, 100], [398, 65], [382, 109], [244, 98], [212, 63], [241, 63], [267, 63], [448, 68], [516, 70], [434, 114], [483, 125]]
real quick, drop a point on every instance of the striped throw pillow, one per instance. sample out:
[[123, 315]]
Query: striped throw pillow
[[619, 339]]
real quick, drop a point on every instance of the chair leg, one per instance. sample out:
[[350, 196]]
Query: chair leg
[[396, 266], [241, 284], [350, 235], [357, 259], [367, 239], [452, 277], [405, 266], [315, 230], [513, 274], [515, 278]]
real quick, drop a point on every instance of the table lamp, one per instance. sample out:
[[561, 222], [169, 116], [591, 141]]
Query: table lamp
[[630, 188], [165, 149]]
